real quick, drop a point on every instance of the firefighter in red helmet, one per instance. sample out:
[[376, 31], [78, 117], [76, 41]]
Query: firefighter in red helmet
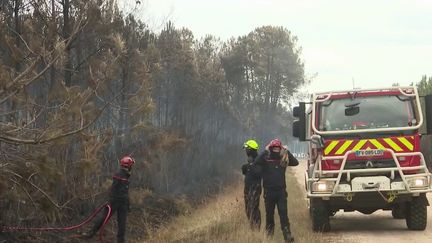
[[118, 200], [274, 161]]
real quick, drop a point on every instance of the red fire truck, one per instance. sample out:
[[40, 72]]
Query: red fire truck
[[364, 153]]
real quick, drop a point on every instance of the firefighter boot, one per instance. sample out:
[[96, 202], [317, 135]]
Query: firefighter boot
[[287, 235]]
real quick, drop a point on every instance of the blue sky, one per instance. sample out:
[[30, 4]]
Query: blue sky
[[374, 42]]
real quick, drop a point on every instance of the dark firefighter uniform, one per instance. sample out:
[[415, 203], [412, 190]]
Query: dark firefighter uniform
[[273, 172], [252, 189], [119, 202]]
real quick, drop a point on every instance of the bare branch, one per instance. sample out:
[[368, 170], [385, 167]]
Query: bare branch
[[15, 81], [26, 125], [18, 79], [36, 187], [14, 140], [22, 39], [4, 165], [25, 191]]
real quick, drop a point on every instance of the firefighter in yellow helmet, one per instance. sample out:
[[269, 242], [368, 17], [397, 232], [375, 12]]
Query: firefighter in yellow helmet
[[252, 187]]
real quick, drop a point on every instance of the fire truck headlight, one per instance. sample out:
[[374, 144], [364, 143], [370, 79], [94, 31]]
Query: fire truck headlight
[[322, 186], [418, 182]]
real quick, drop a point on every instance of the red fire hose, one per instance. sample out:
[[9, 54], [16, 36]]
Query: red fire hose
[[86, 221]]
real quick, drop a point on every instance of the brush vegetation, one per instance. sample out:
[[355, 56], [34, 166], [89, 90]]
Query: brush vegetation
[[223, 219]]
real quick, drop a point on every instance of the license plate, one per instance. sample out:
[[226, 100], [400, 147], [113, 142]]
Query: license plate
[[369, 152]]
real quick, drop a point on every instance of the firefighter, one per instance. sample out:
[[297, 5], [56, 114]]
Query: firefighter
[[252, 184], [118, 200], [274, 161]]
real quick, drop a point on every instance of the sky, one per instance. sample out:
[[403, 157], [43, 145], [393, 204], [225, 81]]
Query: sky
[[345, 44]]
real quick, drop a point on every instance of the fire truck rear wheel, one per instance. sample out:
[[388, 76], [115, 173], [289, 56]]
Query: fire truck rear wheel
[[416, 217], [320, 215]]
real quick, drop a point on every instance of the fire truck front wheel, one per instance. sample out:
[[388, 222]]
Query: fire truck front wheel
[[416, 215], [399, 211], [320, 215]]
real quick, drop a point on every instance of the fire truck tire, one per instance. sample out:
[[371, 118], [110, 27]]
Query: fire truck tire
[[399, 212], [320, 215], [416, 217]]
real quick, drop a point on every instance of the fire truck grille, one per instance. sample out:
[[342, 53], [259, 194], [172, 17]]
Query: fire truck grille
[[366, 164]]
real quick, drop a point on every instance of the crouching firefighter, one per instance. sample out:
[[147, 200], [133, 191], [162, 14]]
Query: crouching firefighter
[[274, 161], [252, 184], [118, 200]]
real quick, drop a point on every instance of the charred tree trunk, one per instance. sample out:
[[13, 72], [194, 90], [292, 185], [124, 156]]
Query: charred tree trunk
[[17, 6], [66, 36], [52, 32]]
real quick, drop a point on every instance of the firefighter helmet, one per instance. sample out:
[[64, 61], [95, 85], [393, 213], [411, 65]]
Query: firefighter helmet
[[275, 143], [127, 161], [251, 144]]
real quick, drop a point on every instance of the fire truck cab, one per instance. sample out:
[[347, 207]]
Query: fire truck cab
[[364, 153]]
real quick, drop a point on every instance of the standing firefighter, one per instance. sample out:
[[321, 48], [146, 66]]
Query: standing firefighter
[[118, 200], [252, 188], [274, 161]]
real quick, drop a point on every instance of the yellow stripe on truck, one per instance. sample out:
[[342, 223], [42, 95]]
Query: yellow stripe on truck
[[393, 145], [344, 146], [359, 145], [330, 147], [406, 143], [377, 144]]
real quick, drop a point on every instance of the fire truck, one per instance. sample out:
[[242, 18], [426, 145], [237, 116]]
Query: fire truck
[[364, 153]]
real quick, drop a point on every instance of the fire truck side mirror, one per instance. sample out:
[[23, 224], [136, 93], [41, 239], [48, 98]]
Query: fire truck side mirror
[[428, 113], [352, 111], [296, 111], [297, 130], [299, 126]]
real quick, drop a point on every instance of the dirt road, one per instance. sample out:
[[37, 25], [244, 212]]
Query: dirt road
[[377, 227]]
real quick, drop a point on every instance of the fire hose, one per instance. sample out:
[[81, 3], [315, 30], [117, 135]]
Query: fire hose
[[73, 227]]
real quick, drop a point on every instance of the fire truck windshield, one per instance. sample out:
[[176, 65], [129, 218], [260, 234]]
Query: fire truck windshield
[[371, 112]]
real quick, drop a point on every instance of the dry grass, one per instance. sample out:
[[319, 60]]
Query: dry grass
[[224, 220], [220, 220]]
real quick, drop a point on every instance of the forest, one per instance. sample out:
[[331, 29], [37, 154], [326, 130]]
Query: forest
[[82, 83]]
